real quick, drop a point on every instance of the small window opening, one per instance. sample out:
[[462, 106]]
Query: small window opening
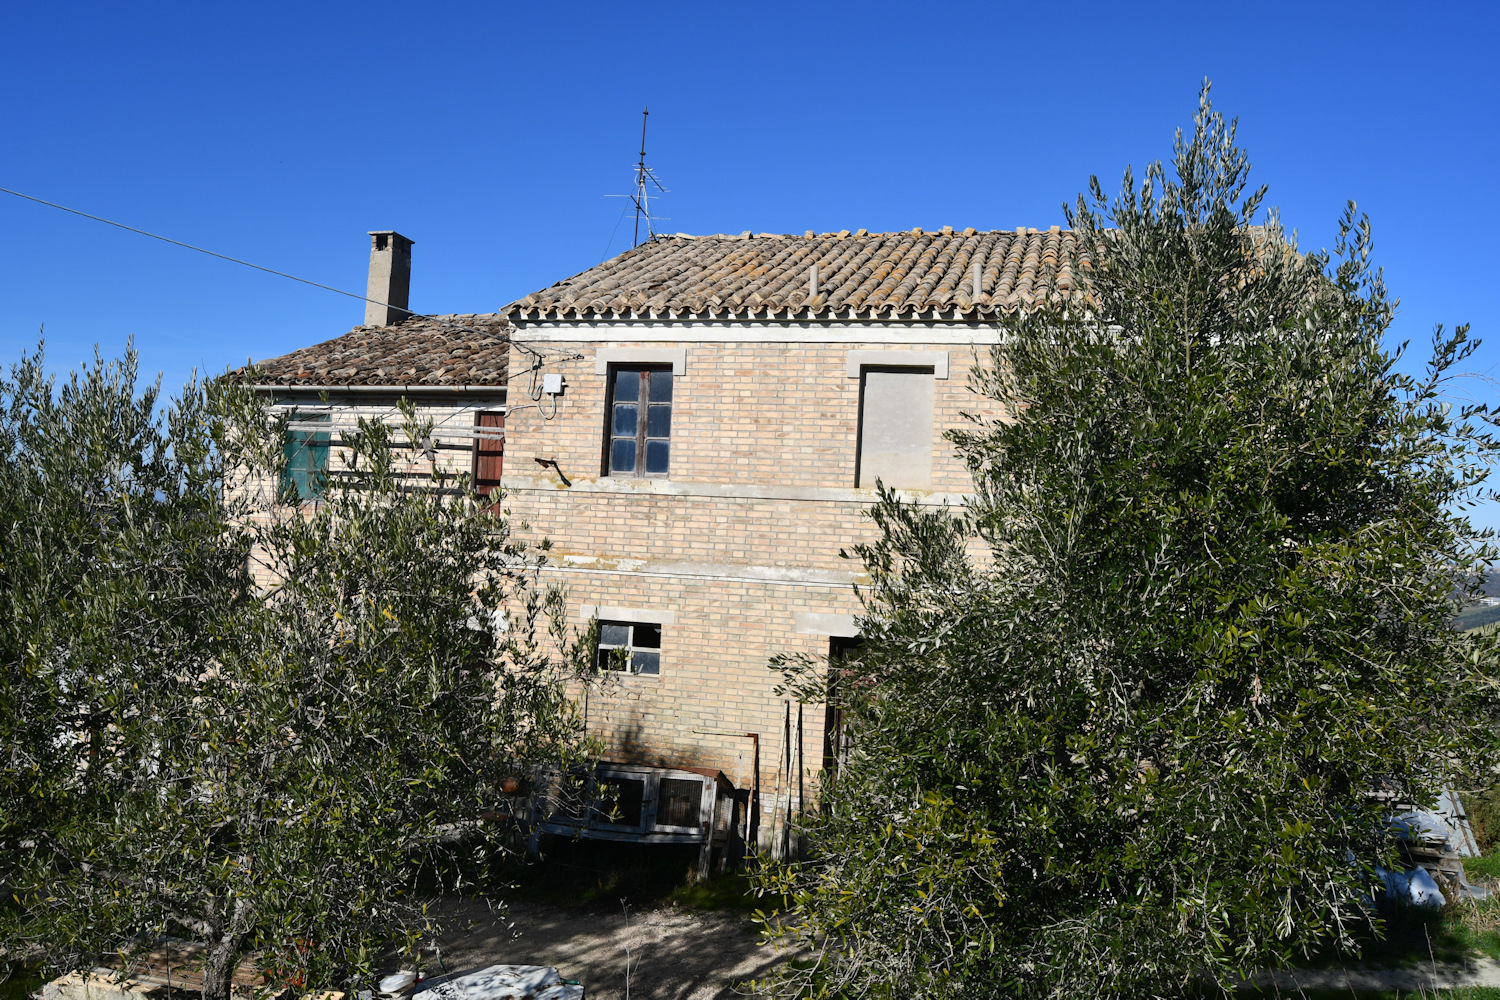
[[631, 647], [841, 649]]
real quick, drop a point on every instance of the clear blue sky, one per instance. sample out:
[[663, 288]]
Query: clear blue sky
[[490, 133]]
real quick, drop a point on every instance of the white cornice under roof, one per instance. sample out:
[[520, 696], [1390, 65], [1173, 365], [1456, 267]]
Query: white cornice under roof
[[722, 332]]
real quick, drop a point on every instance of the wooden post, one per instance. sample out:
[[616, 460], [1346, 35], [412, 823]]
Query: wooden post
[[706, 852], [801, 763], [786, 741], [752, 841]]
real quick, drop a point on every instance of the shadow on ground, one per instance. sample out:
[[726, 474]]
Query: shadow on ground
[[675, 953], [686, 940]]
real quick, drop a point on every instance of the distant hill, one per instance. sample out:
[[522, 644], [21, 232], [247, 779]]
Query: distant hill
[[1480, 614]]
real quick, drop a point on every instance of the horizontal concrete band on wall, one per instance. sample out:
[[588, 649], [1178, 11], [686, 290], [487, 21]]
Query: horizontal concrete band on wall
[[768, 576], [807, 622], [857, 359], [606, 612], [815, 623], [728, 491], [860, 360]]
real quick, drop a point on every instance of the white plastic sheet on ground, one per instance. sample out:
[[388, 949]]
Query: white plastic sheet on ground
[[1414, 887], [504, 982]]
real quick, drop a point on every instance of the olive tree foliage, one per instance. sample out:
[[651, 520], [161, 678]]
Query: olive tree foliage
[[1134, 715], [114, 562], [267, 727]]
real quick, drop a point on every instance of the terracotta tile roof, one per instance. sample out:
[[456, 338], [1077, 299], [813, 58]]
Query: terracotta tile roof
[[421, 350], [859, 275]]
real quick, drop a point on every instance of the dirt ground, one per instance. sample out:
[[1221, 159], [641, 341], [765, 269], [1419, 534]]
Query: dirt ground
[[1417, 979], [675, 953]]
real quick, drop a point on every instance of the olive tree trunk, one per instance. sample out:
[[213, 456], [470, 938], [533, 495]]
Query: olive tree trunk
[[224, 954]]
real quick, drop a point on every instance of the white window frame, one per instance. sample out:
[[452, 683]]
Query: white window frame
[[630, 646]]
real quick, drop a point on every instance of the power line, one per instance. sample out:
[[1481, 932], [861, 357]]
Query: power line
[[189, 246], [541, 356]]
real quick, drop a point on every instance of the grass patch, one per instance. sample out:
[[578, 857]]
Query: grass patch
[[1463, 930], [722, 892], [1487, 867], [1483, 807]]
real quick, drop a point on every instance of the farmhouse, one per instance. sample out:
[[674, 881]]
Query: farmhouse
[[697, 426]]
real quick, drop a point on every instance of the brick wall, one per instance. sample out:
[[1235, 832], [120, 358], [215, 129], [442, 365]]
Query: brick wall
[[769, 414], [715, 672], [740, 539], [723, 531], [742, 536]]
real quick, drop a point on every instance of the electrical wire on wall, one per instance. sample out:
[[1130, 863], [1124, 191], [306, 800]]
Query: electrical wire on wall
[[534, 383]]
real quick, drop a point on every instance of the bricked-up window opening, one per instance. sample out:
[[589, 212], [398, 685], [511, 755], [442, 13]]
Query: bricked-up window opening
[[840, 650], [640, 421], [305, 454], [679, 802], [618, 801], [634, 647], [489, 452], [895, 428]]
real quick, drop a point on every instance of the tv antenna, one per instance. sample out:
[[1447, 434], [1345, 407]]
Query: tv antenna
[[645, 177]]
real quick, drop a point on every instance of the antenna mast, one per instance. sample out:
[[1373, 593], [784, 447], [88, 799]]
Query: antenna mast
[[644, 177]]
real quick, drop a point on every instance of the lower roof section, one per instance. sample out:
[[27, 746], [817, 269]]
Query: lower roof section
[[459, 351]]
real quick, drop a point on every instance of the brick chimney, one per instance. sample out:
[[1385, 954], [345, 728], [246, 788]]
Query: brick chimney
[[390, 279]]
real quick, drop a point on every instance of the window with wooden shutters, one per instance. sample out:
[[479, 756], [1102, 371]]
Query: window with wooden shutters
[[305, 457], [489, 451], [640, 422]]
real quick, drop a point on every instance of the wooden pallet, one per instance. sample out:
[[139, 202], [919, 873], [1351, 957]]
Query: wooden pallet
[[177, 964], [170, 968]]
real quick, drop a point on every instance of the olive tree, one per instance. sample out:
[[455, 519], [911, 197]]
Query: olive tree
[[1132, 717], [266, 727]]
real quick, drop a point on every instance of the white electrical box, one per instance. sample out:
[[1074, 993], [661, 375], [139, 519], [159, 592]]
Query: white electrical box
[[551, 384]]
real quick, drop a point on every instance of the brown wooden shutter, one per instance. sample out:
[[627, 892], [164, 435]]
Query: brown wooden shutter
[[489, 452]]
